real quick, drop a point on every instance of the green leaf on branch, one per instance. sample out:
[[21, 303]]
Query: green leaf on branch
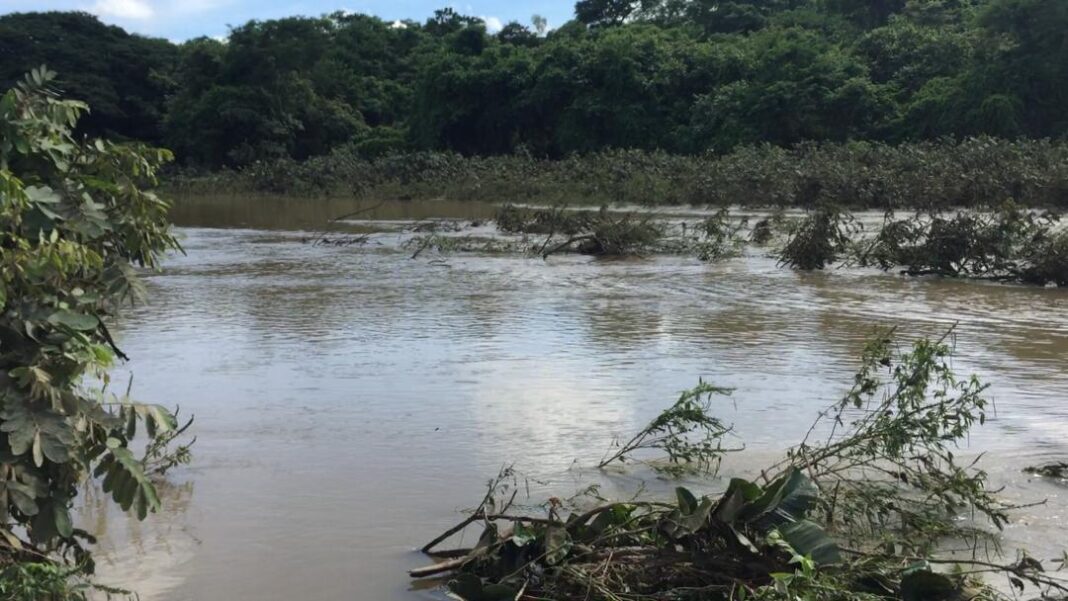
[[810, 540], [45, 433], [76, 321], [125, 479]]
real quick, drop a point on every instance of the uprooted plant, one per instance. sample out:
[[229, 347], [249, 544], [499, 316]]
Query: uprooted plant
[[856, 512]]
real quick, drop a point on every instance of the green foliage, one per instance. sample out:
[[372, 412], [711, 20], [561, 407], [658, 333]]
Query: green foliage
[[76, 218], [687, 432], [682, 76], [819, 239], [900, 425], [1050, 470], [939, 176], [125, 78], [38, 581], [719, 237], [1008, 244], [856, 517]]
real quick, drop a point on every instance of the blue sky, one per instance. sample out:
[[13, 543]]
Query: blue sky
[[183, 19]]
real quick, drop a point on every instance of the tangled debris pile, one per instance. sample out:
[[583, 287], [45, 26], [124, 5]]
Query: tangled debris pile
[[857, 511]]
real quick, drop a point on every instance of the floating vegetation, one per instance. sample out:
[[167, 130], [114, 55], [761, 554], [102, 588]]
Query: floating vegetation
[[557, 219], [601, 233], [857, 511], [1009, 244], [720, 237], [767, 228], [1050, 470], [443, 244]]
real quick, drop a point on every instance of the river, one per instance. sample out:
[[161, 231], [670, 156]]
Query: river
[[350, 401]]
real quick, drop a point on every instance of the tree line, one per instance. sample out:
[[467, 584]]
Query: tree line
[[681, 76]]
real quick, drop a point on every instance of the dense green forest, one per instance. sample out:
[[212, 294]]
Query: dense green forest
[[682, 76]]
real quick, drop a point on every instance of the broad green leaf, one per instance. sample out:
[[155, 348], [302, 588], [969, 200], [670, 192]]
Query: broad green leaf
[[687, 501], [42, 194], [125, 479], [44, 432], [739, 493], [23, 496], [74, 321], [62, 518], [808, 539], [787, 499]]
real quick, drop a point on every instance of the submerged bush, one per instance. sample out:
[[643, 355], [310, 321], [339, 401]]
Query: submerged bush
[[942, 175], [1009, 244], [555, 220], [819, 239]]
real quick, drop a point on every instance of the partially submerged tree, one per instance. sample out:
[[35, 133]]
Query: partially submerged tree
[[819, 239], [1007, 244]]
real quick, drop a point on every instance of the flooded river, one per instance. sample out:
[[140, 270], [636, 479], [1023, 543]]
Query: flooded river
[[350, 401]]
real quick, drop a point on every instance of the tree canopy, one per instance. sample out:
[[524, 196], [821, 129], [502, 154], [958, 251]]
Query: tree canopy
[[684, 76]]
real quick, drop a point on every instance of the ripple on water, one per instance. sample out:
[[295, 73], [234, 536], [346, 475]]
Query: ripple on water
[[349, 400]]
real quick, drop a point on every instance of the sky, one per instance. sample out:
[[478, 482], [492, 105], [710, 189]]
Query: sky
[[180, 20]]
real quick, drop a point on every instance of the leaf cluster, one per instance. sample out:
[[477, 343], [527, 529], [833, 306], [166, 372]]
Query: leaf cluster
[[855, 512], [76, 219]]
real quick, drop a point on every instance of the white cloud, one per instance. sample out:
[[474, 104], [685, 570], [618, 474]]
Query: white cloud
[[197, 6], [493, 24], [137, 10]]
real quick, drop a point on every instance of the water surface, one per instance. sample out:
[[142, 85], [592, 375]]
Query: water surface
[[350, 401]]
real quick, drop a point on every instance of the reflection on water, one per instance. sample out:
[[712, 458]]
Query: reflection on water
[[349, 401]]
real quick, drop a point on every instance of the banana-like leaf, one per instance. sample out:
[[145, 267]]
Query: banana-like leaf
[[808, 539], [786, 500], [739, 493]]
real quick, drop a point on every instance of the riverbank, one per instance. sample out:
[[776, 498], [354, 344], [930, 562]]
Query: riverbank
[[929, 175]]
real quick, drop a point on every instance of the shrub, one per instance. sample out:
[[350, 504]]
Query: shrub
[[75, 219]]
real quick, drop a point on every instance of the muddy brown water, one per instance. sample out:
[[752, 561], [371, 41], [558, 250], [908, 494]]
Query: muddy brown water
[[351, 401]]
